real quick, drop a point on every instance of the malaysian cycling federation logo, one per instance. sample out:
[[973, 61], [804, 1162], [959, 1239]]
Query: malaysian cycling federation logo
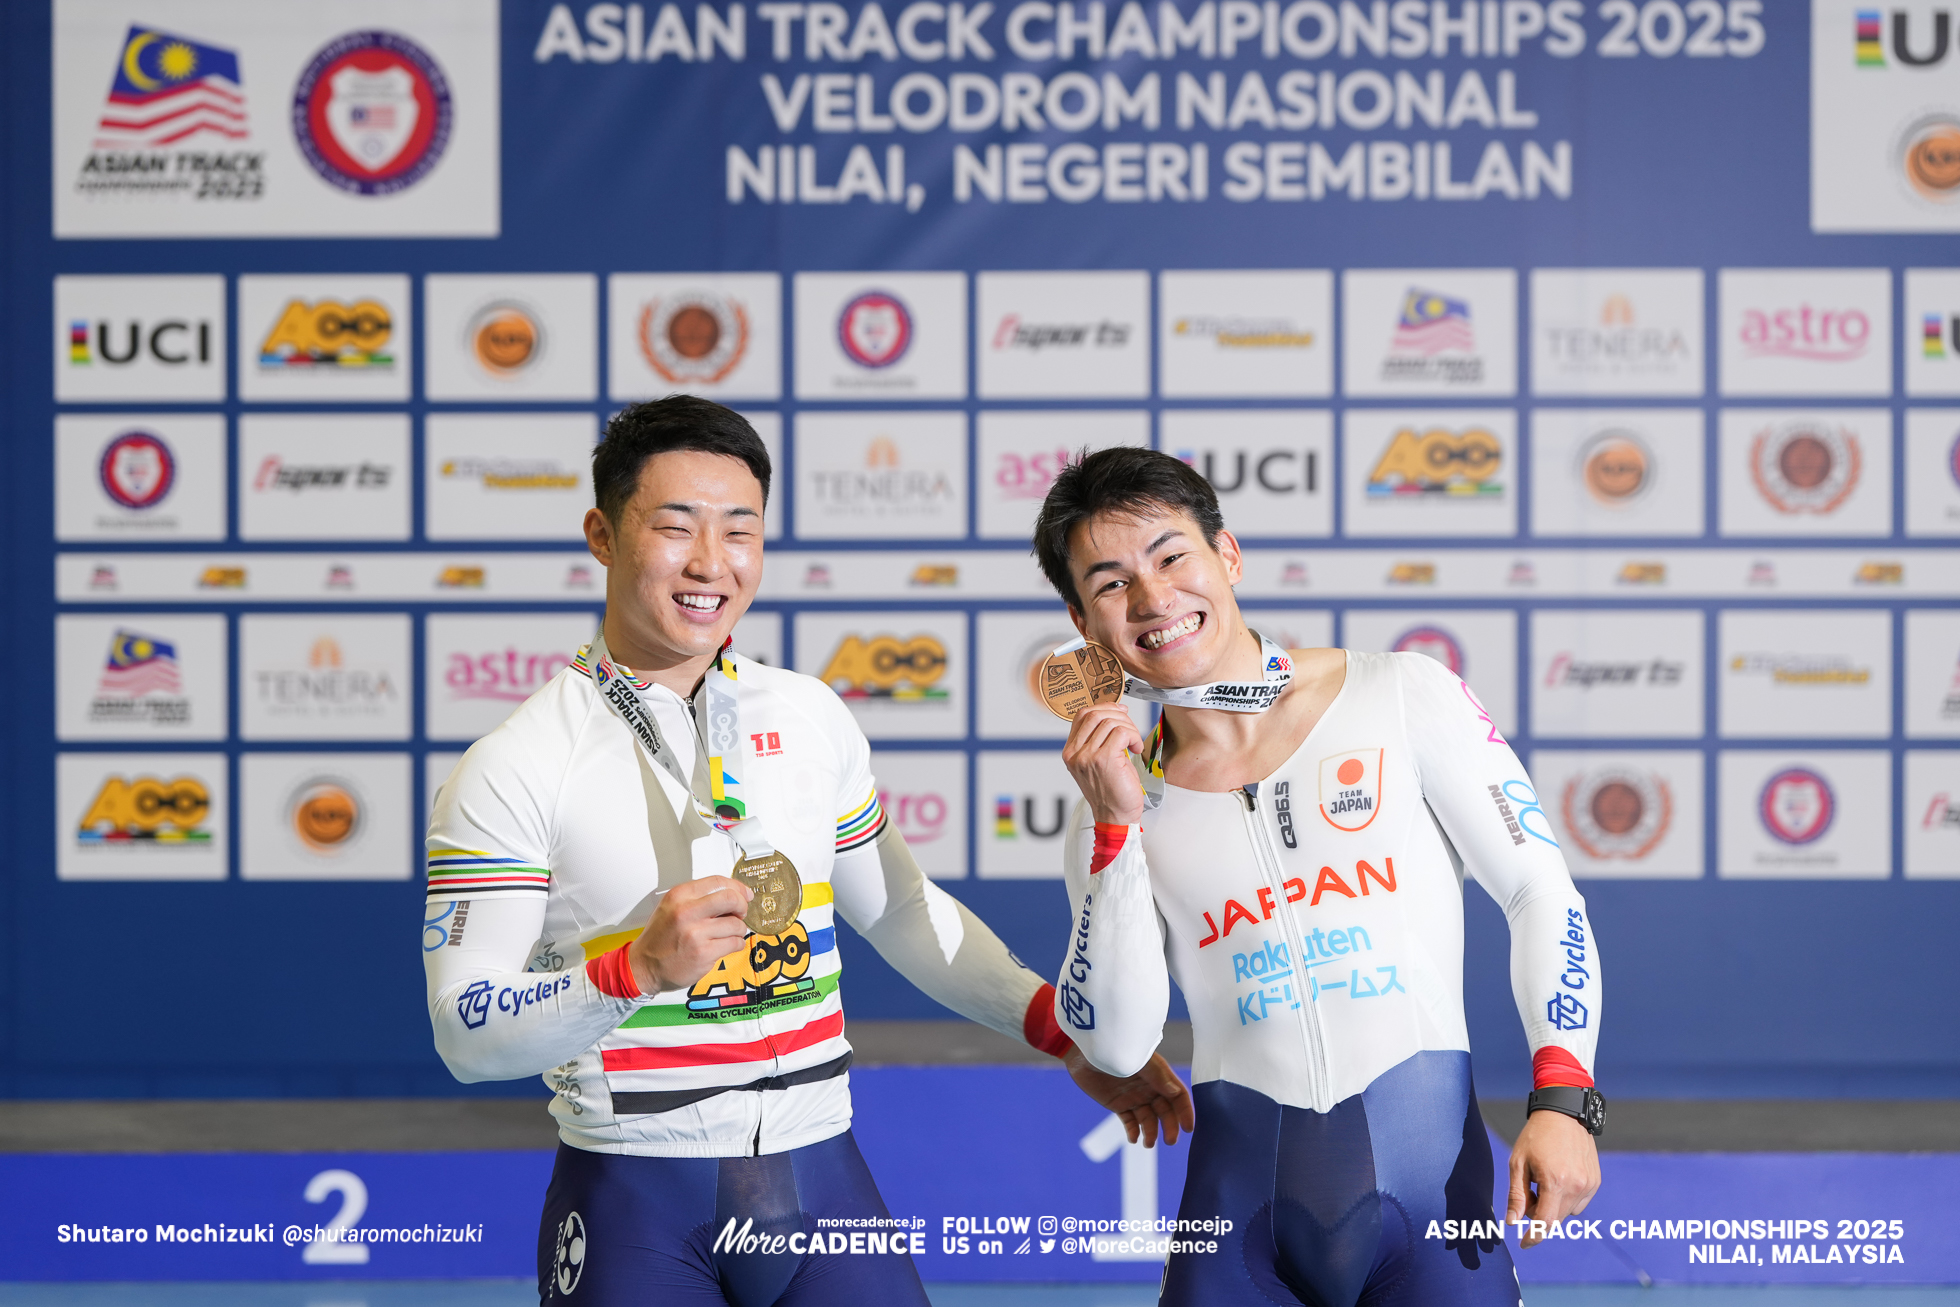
[[137, 469], [372, 113], [875, 329], [1797, 806], [1351, 788]]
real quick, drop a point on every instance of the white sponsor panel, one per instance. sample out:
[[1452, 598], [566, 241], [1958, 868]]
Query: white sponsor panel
[[139, 338], [477, 667], [1020, 453], [1932, 472], [903, 675], [325, 816], [888, 476], [1246, 334], [1822, 815], [139, 477], [1884, 118], [717, 335], [898, 335], [759, 636], [1806, 331], [201, 118], [1801, 674], [1060, 335], [1806, 472], [1273, 469], [1929, 329], [1616, 675], [326, 676], [516, 336], [1481, 647], [1616, 472], [769, 427], [1429, 331], [924, 796], [507, 476], [1932, 698], [341, 338], [1024, 799], [323, 476], [1617, 331], [1429, 472], [140, 676], [1293, 628], [141, 816], [1626, 814], [437, 766], [1932, 814], [1013, 647]]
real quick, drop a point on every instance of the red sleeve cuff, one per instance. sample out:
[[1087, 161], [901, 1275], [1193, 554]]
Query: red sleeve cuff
[[1552, 1065], [1109, 842], [612, 975], [1039, 1026]]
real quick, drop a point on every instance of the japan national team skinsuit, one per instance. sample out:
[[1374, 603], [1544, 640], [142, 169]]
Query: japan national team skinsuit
[[1314, 922], [550, 847]]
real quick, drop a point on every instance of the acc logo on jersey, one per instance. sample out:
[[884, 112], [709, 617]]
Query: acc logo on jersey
[[1616, 813], [875, 329], [1805, 467], [694, 336], [1434, 641], [372, 114], [137, 470], [1797, 805], [769, 968], [1351, 788]]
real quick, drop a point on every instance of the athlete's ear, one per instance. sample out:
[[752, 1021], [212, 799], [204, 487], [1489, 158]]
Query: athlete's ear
[[599, 536], [1227, 547], [1075, 615]]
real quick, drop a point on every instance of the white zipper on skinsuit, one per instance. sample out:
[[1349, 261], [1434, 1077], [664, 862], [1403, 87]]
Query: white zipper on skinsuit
[[1269, 867]]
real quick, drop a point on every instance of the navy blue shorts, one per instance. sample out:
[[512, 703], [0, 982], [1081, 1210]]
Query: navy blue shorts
[[1330, 1209], [643, 1231]]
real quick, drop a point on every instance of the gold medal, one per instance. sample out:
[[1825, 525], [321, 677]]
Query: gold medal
[[778, 892], [1080, 678]]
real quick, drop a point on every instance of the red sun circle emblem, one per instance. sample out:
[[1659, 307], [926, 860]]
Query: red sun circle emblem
[[1350, 771], [372, 113]]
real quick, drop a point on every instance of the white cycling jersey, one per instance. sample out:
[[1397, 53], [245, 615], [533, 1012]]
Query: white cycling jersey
[[1314, 920]]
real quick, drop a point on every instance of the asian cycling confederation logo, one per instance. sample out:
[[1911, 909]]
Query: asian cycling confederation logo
[[1440, 462], [1434, 641], [1797, 805], [875, 329], [694, 336], [372, 113], [137, 470], [170, 90], [1805, 467]]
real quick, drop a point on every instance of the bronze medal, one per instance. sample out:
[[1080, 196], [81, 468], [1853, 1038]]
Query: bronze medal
[[778, 892], [1079, 679]]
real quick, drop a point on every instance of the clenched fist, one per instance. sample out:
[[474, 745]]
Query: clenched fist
[[696, 925], [1098, 756]]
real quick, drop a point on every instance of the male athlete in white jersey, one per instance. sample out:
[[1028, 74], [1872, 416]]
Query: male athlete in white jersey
[[584, 924], [1290, 845]]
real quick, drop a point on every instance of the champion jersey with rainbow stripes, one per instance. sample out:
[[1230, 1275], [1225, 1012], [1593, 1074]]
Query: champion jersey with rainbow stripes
[[541, 845]]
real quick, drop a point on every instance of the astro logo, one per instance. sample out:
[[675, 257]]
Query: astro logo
[[887, 668], [1797, 806], [1439, 462], [768, 971], [371, 113], [1351, 789], [149, 810], [329, 334], [875, 329]]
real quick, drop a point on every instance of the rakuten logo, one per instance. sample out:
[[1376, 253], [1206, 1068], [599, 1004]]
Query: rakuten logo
[[1805, 332], [509, 676]]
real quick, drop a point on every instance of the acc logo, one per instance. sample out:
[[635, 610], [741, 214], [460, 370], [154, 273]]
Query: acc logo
[[1616, 813], [1615, 467], [875, 329], [504, 338], [568, 1262], [1439, 462], [330, 334], [1351, 788], [371, 113], [885, 667], [325, 813], [137, 470], [147, 808], [694, 337], [1797, 805], [768, 966], [1928, 152], [1434, 641], [1805, 467]]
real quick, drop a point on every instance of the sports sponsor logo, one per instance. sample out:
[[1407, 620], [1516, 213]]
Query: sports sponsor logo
[[326, 813], [1801, 669], [1805, 332], [1942, 813], [221, 578], [328, 334], [510, 473], [372, 114], [1572, 943], [1013, 332], [1077, 1010], [875, 329], [175, 105], [141, 682], [887, 668], [1434, 641], [1433, 341], [505, 338], [694, 336], [1350, 789], [1797, 806], [1566, 1012], [1805, 466], [1244, 333], [1567, 670], [276, 474], [1266, 902], [1439, 462], [146, 811], [1617, 813], [1517, 803], [325, 689], [1616, 467], [507, 675], [137, 469]]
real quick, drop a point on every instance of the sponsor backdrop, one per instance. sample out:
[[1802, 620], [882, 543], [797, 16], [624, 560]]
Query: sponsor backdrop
[[1510, 334]]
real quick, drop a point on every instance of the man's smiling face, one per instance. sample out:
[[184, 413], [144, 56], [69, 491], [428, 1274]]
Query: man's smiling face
[[1157, 595]]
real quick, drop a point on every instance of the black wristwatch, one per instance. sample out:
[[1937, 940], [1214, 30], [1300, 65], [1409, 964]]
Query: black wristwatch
[[1586, 1106]]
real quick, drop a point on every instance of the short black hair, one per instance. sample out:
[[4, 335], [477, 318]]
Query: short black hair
[[1120, 480], [658, 426]]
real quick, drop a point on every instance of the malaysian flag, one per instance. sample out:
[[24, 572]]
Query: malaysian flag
[[169, 89], [139, 665], [1433, 323]]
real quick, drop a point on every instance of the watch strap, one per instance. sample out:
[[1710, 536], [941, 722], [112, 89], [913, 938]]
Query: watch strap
[[1586, 1106]]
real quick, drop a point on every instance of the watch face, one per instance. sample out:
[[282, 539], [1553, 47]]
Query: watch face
[[1595, 1117]]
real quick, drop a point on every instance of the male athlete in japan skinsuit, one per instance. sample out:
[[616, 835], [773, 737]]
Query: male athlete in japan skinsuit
[[584, 922], [1290, 845]]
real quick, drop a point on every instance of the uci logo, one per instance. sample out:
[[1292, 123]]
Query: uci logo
[[173, 342]]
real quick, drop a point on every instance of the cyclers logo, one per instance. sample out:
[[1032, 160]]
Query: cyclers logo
[[474, 1003], [1076, 1007], [1573, 944], [1350, 789]]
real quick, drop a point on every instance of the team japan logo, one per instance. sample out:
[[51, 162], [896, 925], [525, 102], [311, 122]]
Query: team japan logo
[[372, 113], [694, 337], [875, 329], [1805, 467], [1351, 788], [1617, 814], [1797, 806], [137, 470]]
